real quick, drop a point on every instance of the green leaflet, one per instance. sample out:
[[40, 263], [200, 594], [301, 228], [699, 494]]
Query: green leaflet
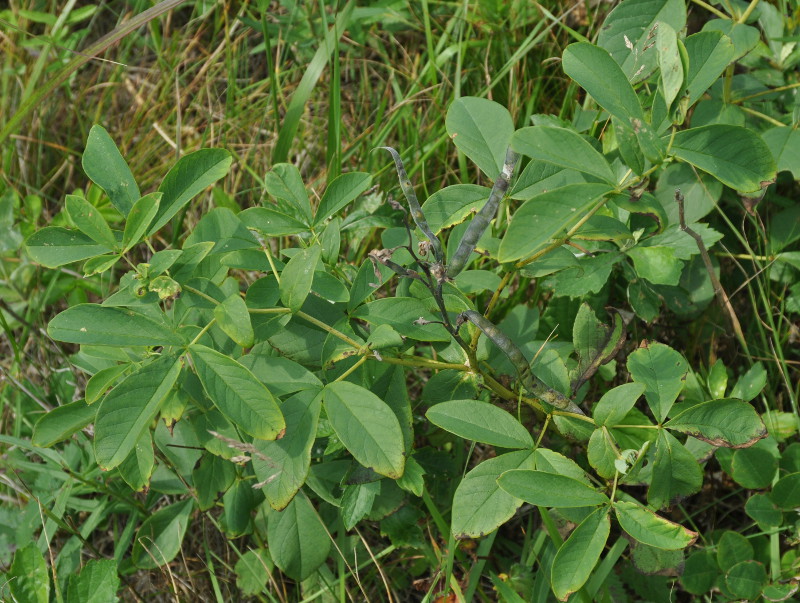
[[481, 129], [238, 394], [94, 324], [367, 427], [480, 421], [577, 557], [160, 536], [105, 166], [130, 407]]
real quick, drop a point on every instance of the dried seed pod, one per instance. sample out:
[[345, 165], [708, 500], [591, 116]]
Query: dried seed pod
[[529, 381], [480, 222], [414, 206]]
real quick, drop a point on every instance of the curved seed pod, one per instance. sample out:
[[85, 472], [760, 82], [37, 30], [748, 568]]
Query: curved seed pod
[[413, 204], [531, 383], [482, 219]]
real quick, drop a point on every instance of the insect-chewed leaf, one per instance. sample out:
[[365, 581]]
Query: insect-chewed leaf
[[367, 427], [481, 422], [727, 422], [237, 393]]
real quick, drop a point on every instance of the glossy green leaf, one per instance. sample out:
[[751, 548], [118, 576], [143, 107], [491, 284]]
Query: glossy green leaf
[[237, 394], [453, 204], [284, 466], [745, 579], [54, 246], [616, 403], [562, 147], [297, 277], [546, 217], [341, 191], [481, 422], [130, 408], [481, 129], [550, 489], [298, 540], [577, 557], [736, 156], [139, 218], [90, 221], [93, 324], [786, 491], [676, 473], [61, 422], [480, 506], [28, 579], [710, 53], [97, 582], [662, 370], [234, 320], [367, 427], [284, 182], [160, 536], [189, 176], [402, 314], [727, 422], [628, 31], [105, 166], [597, 73], [646, 527]]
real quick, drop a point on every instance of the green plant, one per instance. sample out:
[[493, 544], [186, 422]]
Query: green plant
[[264, 356]]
